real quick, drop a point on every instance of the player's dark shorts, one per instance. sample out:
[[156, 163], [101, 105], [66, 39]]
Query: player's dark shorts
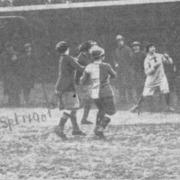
[[106, 104], [69, 101]]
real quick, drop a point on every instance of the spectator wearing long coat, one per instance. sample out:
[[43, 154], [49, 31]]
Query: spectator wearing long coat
[[123, 63], [28, 71]]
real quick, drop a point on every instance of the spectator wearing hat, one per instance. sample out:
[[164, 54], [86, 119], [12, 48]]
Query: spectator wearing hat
[[65, 89], [84, 59], [138, 69], [156, 78], [28, 71], [123, 64], [11, 75], [99, 74]]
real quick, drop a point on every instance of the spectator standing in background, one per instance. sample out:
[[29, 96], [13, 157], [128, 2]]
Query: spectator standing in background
[[138, 68], [123, 63], [11, 74], [28, 67], [171, 73]]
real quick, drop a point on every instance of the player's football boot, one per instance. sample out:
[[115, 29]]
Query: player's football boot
[[105, 122], [60, 133], [78, 133], [99, 132]]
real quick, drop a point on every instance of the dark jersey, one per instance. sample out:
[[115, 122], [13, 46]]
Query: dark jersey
[[66, 78]]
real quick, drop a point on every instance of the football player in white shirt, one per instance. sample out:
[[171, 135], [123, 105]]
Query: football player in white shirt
[[155, 77]]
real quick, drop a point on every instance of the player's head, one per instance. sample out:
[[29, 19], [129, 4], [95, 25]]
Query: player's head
[[62, 47], [86, 46], [120, 40], [97, 53], [136, 46], [151, 48], [28, 47]]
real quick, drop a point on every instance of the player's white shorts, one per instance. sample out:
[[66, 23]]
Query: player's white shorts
[[163, 86]]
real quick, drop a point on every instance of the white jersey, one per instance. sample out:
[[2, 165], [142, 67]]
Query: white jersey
[[154, 70]]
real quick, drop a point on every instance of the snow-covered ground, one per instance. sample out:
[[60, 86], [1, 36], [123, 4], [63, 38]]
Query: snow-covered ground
[[145, 147]]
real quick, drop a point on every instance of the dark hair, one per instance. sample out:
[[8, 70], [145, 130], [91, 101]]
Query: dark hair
[[84, 47], [62, 47], [149, 46]]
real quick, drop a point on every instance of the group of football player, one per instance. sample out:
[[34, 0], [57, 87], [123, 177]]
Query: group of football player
[[85, 80]]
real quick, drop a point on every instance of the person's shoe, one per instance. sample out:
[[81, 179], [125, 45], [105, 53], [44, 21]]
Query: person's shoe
[[78, 133], [135, 109], [170, 109], [105, 122], [60, 134], [99, 134], [86, 122]]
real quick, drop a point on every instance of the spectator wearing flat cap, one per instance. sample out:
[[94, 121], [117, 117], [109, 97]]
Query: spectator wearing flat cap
[[138, 68], [65, 89], [99, 74], [11, 75], [28, 71], [123, 64], [84, 59]]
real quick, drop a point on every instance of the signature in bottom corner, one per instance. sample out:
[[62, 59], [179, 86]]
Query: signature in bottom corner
[[17, 119]]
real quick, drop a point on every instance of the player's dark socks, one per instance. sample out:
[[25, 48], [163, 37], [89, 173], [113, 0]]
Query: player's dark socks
[[169, 108], [167, 98], [59, 130]]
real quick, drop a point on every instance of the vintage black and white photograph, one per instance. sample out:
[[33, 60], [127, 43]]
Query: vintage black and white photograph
[[89, 89]]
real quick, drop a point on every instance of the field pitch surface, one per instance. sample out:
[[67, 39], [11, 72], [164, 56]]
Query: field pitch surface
[[137, 147]]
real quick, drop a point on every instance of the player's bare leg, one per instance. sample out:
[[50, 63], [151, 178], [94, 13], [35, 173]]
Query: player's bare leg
[[76, 130], [87, 107], [137, 107], [167, 98]]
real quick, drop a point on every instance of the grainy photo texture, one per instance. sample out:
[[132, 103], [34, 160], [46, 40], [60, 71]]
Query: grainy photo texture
[[89, 89]]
